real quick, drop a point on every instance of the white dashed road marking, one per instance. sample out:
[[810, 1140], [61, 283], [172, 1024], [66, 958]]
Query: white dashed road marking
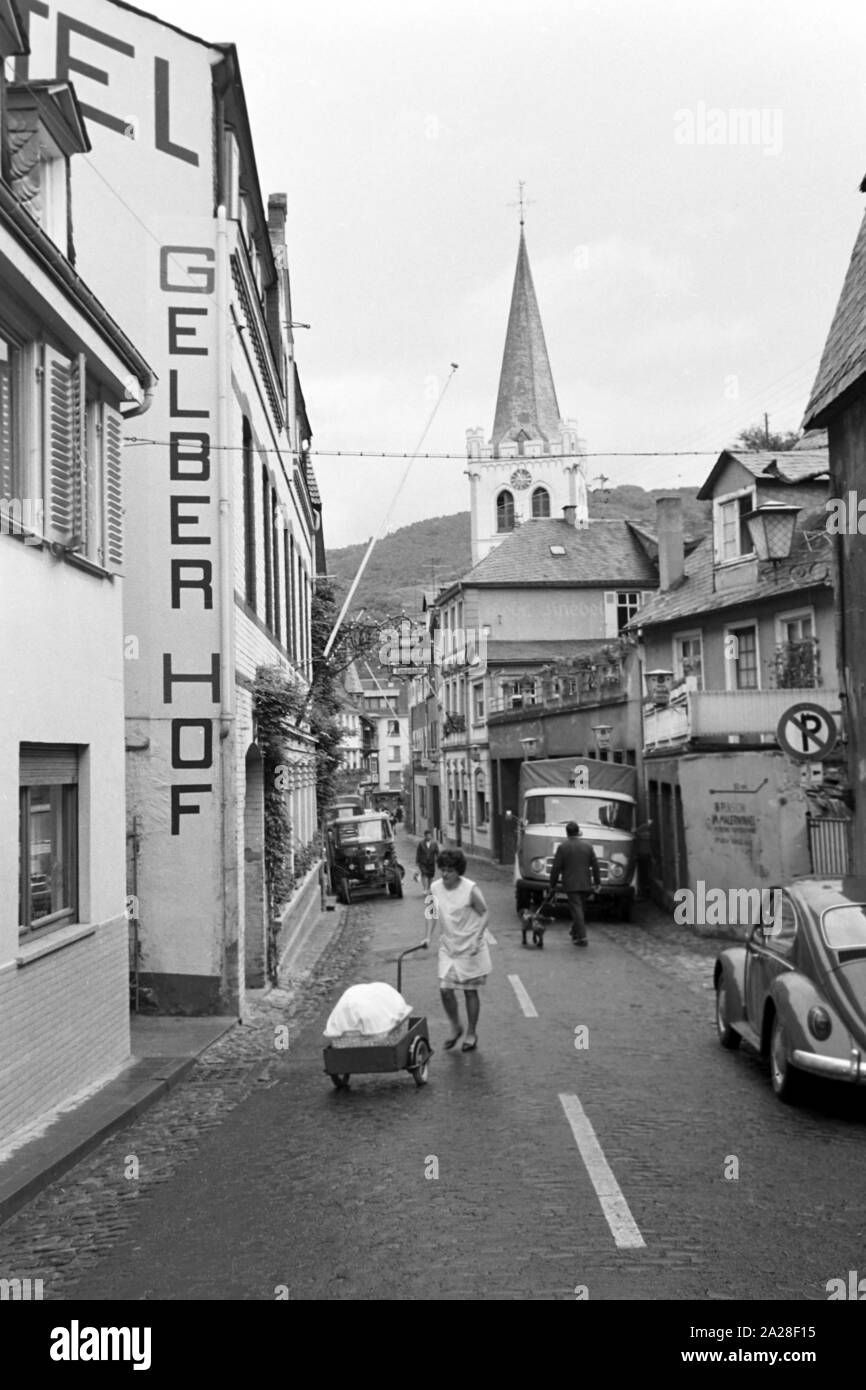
[[523, 998], [613, 1203]]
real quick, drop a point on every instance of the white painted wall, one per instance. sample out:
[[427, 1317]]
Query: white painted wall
[[64, 1017]]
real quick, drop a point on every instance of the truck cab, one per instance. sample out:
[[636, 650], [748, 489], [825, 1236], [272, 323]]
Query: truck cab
[[607, 820]]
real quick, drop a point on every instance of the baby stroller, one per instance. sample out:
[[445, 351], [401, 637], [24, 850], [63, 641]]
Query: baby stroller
[[536, 920]]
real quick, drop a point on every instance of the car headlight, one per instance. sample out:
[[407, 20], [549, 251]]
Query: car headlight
[[820, 1023], [538, 866]]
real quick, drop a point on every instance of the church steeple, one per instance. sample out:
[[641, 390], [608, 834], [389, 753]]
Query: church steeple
[[526, 406], [532, 467]]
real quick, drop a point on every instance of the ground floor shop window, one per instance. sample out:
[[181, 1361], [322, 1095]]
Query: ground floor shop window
[[48, 837]]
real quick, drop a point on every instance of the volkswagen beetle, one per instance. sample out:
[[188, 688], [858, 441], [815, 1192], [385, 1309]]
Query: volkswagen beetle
[[797, 989]]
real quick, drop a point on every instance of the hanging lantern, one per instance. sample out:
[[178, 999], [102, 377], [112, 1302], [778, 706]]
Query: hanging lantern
[[771, 527]]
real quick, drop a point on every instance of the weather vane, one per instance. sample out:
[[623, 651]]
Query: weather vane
[[522, 202]]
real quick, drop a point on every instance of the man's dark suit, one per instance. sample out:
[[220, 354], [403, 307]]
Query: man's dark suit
[[576, 865]]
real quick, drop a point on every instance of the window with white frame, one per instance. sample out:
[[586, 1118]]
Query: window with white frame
[[689, 657], [741, 653], [796, 660], [795, 627], [48, 837], [627, 604], [478, 703], [733, 541], [620, 606]]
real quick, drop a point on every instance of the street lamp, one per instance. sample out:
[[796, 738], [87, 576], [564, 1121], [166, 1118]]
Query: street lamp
[[771, 527], [658, 684]]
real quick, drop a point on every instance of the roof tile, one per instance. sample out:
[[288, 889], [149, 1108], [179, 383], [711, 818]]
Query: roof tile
[[844, 358], [804, 569], [604, 552]]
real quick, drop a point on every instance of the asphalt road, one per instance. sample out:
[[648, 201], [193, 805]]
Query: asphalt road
[[605, 1146]]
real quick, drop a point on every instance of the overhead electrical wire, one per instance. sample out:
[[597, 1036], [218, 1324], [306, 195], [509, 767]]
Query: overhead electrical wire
[[136, 442]]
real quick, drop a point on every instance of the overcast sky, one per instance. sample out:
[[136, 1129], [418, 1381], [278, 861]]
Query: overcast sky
[[686, 266]]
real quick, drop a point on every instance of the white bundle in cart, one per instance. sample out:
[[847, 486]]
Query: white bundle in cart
[[367, 1015]]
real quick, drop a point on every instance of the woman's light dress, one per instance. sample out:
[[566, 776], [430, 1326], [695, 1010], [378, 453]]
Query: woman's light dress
[[458, 924]]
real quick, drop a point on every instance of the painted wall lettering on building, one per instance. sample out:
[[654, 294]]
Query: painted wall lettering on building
[[85, 55], [192, 737]]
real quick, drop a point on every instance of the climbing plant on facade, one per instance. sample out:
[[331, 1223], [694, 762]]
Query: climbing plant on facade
[[277, 705]]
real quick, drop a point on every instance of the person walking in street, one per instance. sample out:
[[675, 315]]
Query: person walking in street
[[575, 863], [426, 856], [457, 907]]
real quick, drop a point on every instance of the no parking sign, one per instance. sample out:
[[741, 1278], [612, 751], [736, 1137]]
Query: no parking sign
[[807, 732]]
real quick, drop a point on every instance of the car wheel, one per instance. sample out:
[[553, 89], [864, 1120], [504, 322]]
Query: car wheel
[[522, 899], [625, 909], [728, 1036], [345, 894], [395, 888], [787, 1082]]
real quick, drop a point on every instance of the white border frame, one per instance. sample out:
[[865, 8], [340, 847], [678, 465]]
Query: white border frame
[[718, 502], [676, 663], [730, 663]]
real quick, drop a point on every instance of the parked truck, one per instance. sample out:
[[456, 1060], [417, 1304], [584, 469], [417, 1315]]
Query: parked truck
[[601, 798]]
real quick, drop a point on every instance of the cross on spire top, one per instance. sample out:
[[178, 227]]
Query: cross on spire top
[[522, 201]]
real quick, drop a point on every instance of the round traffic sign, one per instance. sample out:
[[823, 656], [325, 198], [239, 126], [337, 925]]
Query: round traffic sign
[[807, 732]]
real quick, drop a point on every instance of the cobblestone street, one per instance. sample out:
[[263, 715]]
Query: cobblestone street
[[65, 1231], [253, 1176]]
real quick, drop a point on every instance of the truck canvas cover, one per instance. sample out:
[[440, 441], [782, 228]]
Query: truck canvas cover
[[559, 772]]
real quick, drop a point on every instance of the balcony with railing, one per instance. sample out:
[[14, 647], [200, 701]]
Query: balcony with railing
[[453, 729], [727, 716], [595, 684]]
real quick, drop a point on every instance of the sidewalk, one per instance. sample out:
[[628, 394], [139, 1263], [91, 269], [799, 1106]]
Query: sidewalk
[[164, 1051]]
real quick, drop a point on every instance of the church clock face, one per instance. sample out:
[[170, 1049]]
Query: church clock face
[[520, 479]]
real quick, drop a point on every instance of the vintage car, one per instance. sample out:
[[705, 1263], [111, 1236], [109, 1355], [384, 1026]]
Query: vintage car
[[343, 807], [796, 990], [361, 856]]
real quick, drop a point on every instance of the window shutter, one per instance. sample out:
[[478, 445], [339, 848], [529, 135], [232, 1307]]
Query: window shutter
[[610, 623], [112, 452], [59, 423], [6, 489], [45, 764], [78, 392]]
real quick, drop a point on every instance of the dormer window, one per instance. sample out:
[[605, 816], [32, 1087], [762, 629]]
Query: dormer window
[[45, 127], [231, 174], [733, 541]]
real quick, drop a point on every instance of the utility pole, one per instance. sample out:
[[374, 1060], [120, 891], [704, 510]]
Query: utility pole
[[766, 429]]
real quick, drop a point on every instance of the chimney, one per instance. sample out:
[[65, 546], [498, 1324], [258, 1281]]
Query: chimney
[[669, 524], [569, 513]]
